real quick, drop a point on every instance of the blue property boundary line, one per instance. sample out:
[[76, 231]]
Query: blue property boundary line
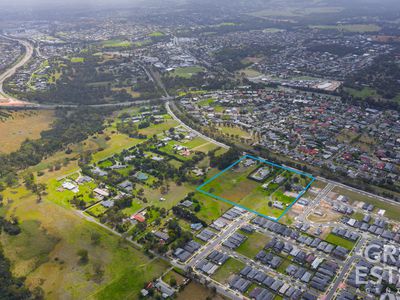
[[247, 156]]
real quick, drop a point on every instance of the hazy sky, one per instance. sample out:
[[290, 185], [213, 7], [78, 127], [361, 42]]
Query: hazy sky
[[52, 3]]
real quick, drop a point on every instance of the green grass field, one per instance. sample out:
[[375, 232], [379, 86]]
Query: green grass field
[[159, 128], [232, 266], [116, 44], [339, 241], [235, 186], [157, 34], [282, 267], [22, 125], [46, 253], [187, 72], [174, 195], [363, 93], [235, 131], [173, 275], [254, 243], [195, 290], [96, 211], [63, 198], [206, 102], [129, 284], [360, 28], [211, 209], [77, 59]]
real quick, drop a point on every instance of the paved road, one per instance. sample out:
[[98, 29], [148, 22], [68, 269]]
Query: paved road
[[346, 268], [171, 113], [11, 71], [208, 248], [357, 190], [28, 105], [228, 231], [314, 204], [7, 101]]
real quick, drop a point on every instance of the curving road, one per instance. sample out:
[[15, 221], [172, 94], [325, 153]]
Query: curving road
[[4, 98], [172, 114], [7, 101]]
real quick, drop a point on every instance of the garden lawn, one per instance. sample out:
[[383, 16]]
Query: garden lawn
[[173, 274], [158, 128], [96, 210], [235, 131], [175, 194]]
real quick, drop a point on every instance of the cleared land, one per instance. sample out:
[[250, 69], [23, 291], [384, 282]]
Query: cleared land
[[21, 126], [197, 291], [258, 187], [392, 211], [254, 243], [231, 267], [237, 131], [339, 241], [211, 209]]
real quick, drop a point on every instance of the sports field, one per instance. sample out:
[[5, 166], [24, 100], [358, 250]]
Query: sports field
[[258, 186]]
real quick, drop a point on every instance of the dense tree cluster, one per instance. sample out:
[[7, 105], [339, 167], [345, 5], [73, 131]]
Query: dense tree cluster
[[225, 160], [183, 213], [232, 58], [12, 288], [336, 49], [70, 127], [383, 76]]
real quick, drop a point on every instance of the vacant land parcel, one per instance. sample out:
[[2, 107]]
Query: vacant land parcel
[[259, 186]]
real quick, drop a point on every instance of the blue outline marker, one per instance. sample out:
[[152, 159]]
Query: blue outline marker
[[199, 188]]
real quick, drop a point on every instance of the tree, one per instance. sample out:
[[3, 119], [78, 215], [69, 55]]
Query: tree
[[83, 256], [172, 282]]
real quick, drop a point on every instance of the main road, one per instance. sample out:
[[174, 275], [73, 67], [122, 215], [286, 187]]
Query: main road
[[172, 114], [4, 98], [7, 101]]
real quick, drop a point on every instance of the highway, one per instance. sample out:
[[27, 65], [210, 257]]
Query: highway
[[9, 102], [11, 71]]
